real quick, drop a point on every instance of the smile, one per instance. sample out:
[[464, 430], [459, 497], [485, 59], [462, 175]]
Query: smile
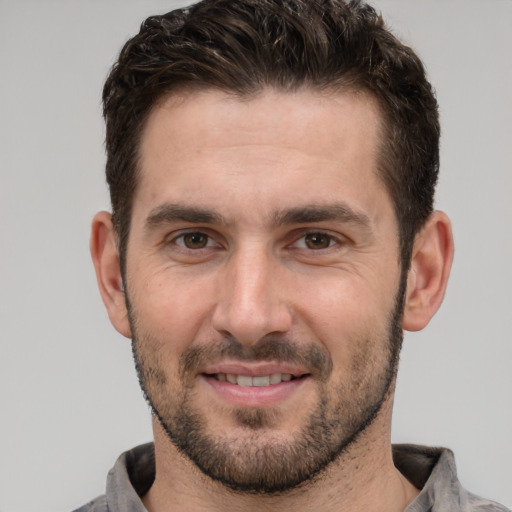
[[254, 383], [259, 381], [265, 389]]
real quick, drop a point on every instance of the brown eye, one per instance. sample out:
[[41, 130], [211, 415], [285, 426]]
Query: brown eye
[[195, 240], [317, 240]]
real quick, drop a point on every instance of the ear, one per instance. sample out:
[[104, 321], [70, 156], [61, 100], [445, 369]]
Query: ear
[[428, 275], [108, 271]]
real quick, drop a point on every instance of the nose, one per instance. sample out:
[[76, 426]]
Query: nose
[[251, 302]]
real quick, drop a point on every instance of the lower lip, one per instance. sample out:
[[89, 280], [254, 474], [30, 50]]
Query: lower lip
[[253, 396]]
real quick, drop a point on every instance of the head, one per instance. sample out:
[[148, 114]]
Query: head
[[246, 46], [272, 167]]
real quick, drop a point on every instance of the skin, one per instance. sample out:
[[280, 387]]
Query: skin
[[260, 275]]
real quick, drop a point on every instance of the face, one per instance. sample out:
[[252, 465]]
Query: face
[[262, 281]]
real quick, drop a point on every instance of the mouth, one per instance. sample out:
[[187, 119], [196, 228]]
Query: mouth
[[259, 381], [255, 385]]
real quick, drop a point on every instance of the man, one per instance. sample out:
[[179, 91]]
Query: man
[[272, 167]]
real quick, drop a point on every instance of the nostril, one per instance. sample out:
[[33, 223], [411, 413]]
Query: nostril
[[250, 325]]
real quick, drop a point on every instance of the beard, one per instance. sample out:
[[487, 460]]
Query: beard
[[255, 459]]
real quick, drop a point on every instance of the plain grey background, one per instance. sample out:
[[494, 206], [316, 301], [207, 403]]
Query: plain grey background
[[70, 402]]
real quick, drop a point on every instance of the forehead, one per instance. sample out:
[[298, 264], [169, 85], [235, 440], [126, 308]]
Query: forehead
[[294, 116], [285, 147]]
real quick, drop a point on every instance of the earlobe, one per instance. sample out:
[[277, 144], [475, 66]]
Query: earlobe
[[105, 257], [428, 275]]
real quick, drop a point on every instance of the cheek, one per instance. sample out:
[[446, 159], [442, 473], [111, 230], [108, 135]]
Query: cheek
[[350, 317], [171, 311]]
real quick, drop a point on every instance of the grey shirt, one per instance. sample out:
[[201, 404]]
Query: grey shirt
[[430, 469]]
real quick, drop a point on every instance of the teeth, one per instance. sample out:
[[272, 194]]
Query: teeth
[[246, 380], [276, 378], [260, 381]]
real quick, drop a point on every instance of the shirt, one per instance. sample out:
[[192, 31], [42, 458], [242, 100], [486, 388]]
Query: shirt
[[430, 469]]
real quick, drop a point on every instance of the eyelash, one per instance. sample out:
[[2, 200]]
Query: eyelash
[[331, 241], [182, 236]]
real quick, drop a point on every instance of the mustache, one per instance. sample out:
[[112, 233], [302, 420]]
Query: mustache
[[313, 358]]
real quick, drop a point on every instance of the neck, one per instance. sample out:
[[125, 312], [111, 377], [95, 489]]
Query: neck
[[362, 478]]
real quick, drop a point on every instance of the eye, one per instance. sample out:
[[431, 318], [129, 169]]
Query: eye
[[316, 241], [194, 240]]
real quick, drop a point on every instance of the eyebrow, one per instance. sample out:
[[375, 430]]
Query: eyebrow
[[319, 213], [171, 212]]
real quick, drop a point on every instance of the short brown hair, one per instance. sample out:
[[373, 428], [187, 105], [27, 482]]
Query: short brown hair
[[243, 46]]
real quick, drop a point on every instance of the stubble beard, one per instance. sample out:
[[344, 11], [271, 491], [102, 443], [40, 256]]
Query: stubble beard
[[259, 462]]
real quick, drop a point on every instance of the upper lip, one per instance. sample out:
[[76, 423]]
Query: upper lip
[[254, 369]]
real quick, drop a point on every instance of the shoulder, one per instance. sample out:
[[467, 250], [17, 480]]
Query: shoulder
[[478, 504], [130, 478], [433, 471], [97, 505]]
